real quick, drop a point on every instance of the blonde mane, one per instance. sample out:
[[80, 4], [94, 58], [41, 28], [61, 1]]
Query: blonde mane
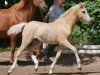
[[68, 11]]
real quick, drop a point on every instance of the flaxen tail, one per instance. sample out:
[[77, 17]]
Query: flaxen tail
[[16, 28]]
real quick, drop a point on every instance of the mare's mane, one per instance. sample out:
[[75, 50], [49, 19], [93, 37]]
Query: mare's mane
[[19, 5]]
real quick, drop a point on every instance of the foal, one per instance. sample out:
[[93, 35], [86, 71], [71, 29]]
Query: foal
[[35, 33]]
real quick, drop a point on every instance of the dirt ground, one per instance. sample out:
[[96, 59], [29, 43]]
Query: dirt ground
[[65, 66]]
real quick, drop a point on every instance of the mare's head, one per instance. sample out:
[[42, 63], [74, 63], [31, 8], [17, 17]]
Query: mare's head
[[82, 13], [41, 4]]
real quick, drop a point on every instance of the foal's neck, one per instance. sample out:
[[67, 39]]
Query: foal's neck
[[69, 20]]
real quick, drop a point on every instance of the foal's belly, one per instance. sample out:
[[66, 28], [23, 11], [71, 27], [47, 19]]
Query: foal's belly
[[48, 39]]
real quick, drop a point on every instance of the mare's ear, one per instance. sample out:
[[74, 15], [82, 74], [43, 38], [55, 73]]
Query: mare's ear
[[36, 2]]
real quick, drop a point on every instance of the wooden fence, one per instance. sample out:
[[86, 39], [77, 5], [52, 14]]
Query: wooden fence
[[90, 49]]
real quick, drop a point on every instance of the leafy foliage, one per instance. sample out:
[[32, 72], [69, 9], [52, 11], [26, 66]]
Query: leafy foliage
[[83, 33], [10, 3]]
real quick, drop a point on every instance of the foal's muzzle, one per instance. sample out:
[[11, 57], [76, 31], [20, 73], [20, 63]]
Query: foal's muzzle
[[91, 22]]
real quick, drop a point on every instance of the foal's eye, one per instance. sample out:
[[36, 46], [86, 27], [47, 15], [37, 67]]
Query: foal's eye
[[83, 12]]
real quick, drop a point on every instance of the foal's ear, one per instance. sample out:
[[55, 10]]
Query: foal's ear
[[81, 5]]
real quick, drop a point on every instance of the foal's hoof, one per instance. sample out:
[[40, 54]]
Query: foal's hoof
[[8, 73], [80, 69], [50, 74], [36, 69]]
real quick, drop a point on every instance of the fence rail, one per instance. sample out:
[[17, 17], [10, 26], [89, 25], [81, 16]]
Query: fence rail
[[90, 49]]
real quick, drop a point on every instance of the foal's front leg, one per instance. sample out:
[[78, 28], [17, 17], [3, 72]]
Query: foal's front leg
[[67, 44]]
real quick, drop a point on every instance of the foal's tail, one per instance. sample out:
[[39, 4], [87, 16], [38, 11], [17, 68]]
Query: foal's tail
[[16, 28]]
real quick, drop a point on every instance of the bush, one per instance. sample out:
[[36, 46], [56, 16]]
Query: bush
[[83, 33]]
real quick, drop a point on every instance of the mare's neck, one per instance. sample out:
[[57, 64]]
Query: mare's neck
[[23, 4]]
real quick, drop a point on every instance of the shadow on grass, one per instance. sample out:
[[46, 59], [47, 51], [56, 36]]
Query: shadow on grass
[[62, 74], [64, 60], [76, 73], [22, 63]]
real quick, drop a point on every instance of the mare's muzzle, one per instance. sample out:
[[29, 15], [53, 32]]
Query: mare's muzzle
[[45, 9]]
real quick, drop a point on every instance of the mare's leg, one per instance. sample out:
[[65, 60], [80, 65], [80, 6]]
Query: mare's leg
[[55, 60], [13, 43], [25, 42], [67, 44]]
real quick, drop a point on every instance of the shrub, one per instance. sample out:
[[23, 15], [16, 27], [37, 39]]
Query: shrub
[[83, 33]]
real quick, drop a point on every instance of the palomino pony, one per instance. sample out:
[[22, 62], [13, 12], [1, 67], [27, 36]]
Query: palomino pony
[[35, 33], [20, 12]]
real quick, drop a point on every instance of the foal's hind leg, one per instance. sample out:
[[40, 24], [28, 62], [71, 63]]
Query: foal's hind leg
[[19, 51], [67, 44], [34, 46], [25, 42]]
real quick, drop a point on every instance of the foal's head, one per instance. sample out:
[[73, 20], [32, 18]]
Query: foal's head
[[41, 4], [82, 13]]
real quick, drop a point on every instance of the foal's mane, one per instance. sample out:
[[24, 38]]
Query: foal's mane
[[68, 11]]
